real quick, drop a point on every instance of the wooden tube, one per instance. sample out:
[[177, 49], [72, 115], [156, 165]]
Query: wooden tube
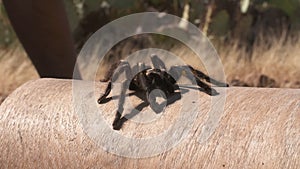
[[259, 128]]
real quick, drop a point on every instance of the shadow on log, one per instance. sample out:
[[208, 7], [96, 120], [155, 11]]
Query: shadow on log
[[260, 128]]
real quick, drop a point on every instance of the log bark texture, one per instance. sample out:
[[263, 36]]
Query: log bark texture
[[260, 128]]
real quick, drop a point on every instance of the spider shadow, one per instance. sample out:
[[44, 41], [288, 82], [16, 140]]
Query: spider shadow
[[172, 99], [142, 95]]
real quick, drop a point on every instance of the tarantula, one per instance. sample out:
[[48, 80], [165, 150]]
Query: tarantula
[[149, 79]]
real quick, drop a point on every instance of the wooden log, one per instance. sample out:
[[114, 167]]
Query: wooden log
[[259, 128]]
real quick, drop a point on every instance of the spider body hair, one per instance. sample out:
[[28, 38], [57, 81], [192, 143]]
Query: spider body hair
[[149, 79]]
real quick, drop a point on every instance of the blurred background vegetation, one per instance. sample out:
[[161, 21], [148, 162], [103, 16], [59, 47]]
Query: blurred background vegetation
[[258, 40], [222, 19]]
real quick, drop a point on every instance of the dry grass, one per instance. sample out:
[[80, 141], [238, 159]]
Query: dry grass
[[277, 59], [16, 69], [281, 62]]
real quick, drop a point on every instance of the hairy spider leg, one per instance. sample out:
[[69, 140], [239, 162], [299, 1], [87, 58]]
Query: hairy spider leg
[[179, 70], [157, 62], [201, 75], [106, 93], [124, 67], [108, 88], [141, 69], [141, 76]]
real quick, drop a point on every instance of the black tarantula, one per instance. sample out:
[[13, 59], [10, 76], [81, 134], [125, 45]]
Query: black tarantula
[[149, 79]]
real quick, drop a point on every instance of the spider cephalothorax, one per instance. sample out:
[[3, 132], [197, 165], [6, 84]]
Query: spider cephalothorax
[[149, 79]]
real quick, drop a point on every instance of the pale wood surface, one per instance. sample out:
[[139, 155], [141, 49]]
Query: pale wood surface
[[260, 128]]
